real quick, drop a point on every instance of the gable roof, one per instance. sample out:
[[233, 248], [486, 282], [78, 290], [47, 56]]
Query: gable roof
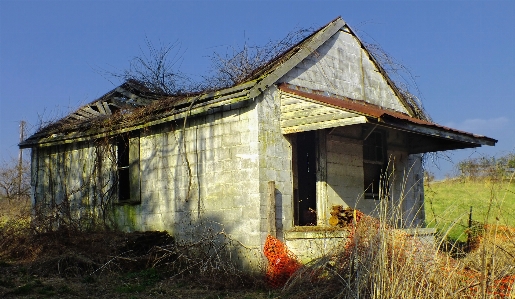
[[278, 67], [131, 95], [132, 106]]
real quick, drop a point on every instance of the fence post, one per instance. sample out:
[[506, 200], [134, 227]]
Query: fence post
[[469, 231]]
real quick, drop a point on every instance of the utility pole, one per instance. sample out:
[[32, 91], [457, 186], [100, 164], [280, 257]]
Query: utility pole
[[20, 159]]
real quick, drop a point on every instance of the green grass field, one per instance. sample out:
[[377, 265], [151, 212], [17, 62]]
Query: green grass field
[[447, 205]]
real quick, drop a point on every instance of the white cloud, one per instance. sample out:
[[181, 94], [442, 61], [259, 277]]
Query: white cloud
[[481, 126]]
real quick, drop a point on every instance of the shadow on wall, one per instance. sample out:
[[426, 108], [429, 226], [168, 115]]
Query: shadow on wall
[[210, 237]]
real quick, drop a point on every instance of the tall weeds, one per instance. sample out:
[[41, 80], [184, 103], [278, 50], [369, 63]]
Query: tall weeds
[[379, 261]]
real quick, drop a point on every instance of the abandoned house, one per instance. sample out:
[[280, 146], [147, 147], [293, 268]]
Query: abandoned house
[[314, 128]]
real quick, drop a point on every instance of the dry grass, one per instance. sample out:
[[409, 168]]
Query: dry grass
[[376, 261], [109, 264]]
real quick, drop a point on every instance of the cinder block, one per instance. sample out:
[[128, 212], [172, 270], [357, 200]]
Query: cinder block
[[231, 139]]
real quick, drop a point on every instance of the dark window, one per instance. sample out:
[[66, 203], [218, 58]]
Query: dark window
[[128, 168], [123, 169], [374, 162]]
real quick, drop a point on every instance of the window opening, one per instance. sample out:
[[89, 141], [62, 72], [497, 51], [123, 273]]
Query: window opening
[[128, 166], [374, 161], [123, 169]]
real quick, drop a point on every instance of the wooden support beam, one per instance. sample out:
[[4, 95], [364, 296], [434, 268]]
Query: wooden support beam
[[272, 229], [100, 107], [90, 110], [106, 108]]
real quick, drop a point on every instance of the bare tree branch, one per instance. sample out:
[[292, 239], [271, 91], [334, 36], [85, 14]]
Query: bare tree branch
[[10, 187], [234, 68]]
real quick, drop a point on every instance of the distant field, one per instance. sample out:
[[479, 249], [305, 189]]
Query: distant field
[[13, 209], [447, 204]]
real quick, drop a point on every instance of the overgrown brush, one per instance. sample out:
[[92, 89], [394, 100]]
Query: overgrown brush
[[379, 261], [14, 230], [207, 261]]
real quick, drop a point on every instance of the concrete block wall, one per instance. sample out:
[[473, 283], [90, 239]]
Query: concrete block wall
[[345, 174], [342, 67], [203, 177], [275, 155], [408, 189]]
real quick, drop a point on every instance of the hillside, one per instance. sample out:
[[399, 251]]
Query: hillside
[[448, 204]]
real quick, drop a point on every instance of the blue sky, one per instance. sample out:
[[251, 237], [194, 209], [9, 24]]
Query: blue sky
[[461, 53]]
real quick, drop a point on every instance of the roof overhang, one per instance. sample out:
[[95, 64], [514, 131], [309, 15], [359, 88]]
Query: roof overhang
[[423, 136]]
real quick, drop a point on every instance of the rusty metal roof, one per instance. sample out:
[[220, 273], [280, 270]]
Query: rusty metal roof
[[390, 117]]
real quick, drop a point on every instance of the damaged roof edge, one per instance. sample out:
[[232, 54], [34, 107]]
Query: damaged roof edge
[[254, 87], [184, 108], [438, 131]]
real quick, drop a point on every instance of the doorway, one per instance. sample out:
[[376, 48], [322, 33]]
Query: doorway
[[306, 178]]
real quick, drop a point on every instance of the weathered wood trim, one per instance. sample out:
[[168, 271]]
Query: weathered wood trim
[[177, 115], [212, 100], [324, 125], [314, 119], [100, 107], [91, 111], [440, 133], [134, 169], [272, 228], [106, 108], [300, 114], [314, 112], [321, 184], [84, 113], [218, 95], [455, 139]]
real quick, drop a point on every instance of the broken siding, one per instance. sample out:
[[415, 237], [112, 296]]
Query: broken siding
[[342, 67], [299, 114], [70, 175]]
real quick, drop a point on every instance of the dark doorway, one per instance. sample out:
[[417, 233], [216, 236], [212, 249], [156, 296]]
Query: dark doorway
[[305, 195]]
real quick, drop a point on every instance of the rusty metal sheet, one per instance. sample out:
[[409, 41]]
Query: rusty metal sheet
[[379, 113]]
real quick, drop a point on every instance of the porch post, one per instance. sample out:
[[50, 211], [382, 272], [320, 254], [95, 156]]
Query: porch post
[[272, 229]]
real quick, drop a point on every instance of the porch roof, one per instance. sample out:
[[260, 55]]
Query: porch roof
[[424, 136]]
